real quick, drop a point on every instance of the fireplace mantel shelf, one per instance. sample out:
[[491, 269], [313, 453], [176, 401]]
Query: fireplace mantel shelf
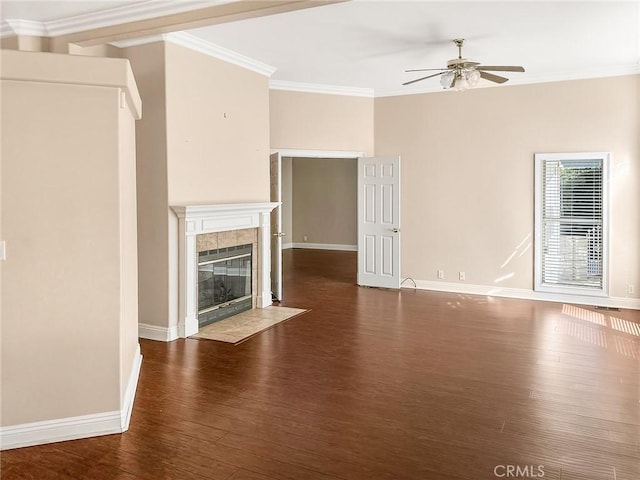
[[200, 210], [198, 219]]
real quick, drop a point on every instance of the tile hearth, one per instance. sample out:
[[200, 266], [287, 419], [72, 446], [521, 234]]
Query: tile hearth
[[246, 324]]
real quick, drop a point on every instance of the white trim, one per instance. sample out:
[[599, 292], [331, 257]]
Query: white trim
[[608, 71], [74, 428], [506, 292], [325, 246], [197, 44], [134, 42], [286, 246], [301, 153], [130, 392], [6, 30], [124, 14], [320, 88], [154, 332], [50, 431], [23, 27], [200, 45]]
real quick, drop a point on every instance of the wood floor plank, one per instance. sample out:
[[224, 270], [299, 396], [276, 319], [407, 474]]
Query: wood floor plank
[[377, 384]]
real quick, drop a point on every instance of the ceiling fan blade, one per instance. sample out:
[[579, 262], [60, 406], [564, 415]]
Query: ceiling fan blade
[[502, 68], [426, 69], [423, 78], [493, 78]]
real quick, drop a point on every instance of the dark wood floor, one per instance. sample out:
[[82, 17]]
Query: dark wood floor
[[378, 384]]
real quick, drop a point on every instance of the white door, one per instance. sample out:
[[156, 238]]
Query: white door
[[276, 222], [379, 222]]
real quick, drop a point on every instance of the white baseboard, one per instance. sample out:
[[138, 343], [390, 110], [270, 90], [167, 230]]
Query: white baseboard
[[325, 246], [286, 246], [74, 428], [130, 392], [154, 332], [70, 428], [617, 302]]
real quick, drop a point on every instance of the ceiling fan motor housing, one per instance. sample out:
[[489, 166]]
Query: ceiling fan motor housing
[[457, 63]]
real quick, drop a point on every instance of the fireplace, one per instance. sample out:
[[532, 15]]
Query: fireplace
[[206, 228], [224, 283]]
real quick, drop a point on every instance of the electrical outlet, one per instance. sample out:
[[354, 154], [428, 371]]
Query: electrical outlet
[[631, 289], [462, 276], [305, 238], [440, 274]]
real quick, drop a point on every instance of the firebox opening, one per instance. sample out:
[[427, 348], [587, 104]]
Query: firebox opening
[[224, 283]]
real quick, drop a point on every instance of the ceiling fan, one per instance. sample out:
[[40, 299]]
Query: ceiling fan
[[461, 73]]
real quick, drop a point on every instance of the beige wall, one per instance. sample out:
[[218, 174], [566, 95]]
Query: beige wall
[[325, 201], [467, 173], [314, 121], [287, 199], [26, 43], [10, 43], [69, 290], [204, 139], [104, 50], [29, 43], [148, 64], [217, 130]]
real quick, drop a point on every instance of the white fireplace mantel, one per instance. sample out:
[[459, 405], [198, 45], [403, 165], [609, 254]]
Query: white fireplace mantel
[[198, 219]]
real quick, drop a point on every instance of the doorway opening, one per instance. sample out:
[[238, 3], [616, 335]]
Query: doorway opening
[[318, 228], [378, 216]]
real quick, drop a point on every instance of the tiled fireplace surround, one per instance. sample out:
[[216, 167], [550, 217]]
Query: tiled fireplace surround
[[207, 227]]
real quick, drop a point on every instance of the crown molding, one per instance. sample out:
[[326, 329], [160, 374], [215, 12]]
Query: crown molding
[[6, 30], [12, 27], [582, 74], [200, 45], [105, 18], [197, 44], [319, 88], [134, 42], [125, 14]]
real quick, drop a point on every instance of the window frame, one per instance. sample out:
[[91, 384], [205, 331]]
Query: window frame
[[539, 160]]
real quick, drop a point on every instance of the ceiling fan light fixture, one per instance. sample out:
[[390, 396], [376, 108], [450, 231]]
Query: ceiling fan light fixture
[[473, 76], [447, 79], [465, 78]]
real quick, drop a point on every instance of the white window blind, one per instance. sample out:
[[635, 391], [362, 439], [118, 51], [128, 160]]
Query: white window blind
[[571, 249]]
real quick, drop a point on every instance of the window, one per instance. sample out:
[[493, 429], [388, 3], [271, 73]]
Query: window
[[571, 223]]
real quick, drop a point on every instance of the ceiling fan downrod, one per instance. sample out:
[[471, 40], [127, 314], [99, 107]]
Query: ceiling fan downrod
[[459, 43]]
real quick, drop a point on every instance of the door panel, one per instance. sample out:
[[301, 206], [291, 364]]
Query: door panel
[[379, 222], [370, 203], [387, 256]]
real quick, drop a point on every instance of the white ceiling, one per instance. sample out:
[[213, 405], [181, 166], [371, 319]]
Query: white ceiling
[[368, 44]]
